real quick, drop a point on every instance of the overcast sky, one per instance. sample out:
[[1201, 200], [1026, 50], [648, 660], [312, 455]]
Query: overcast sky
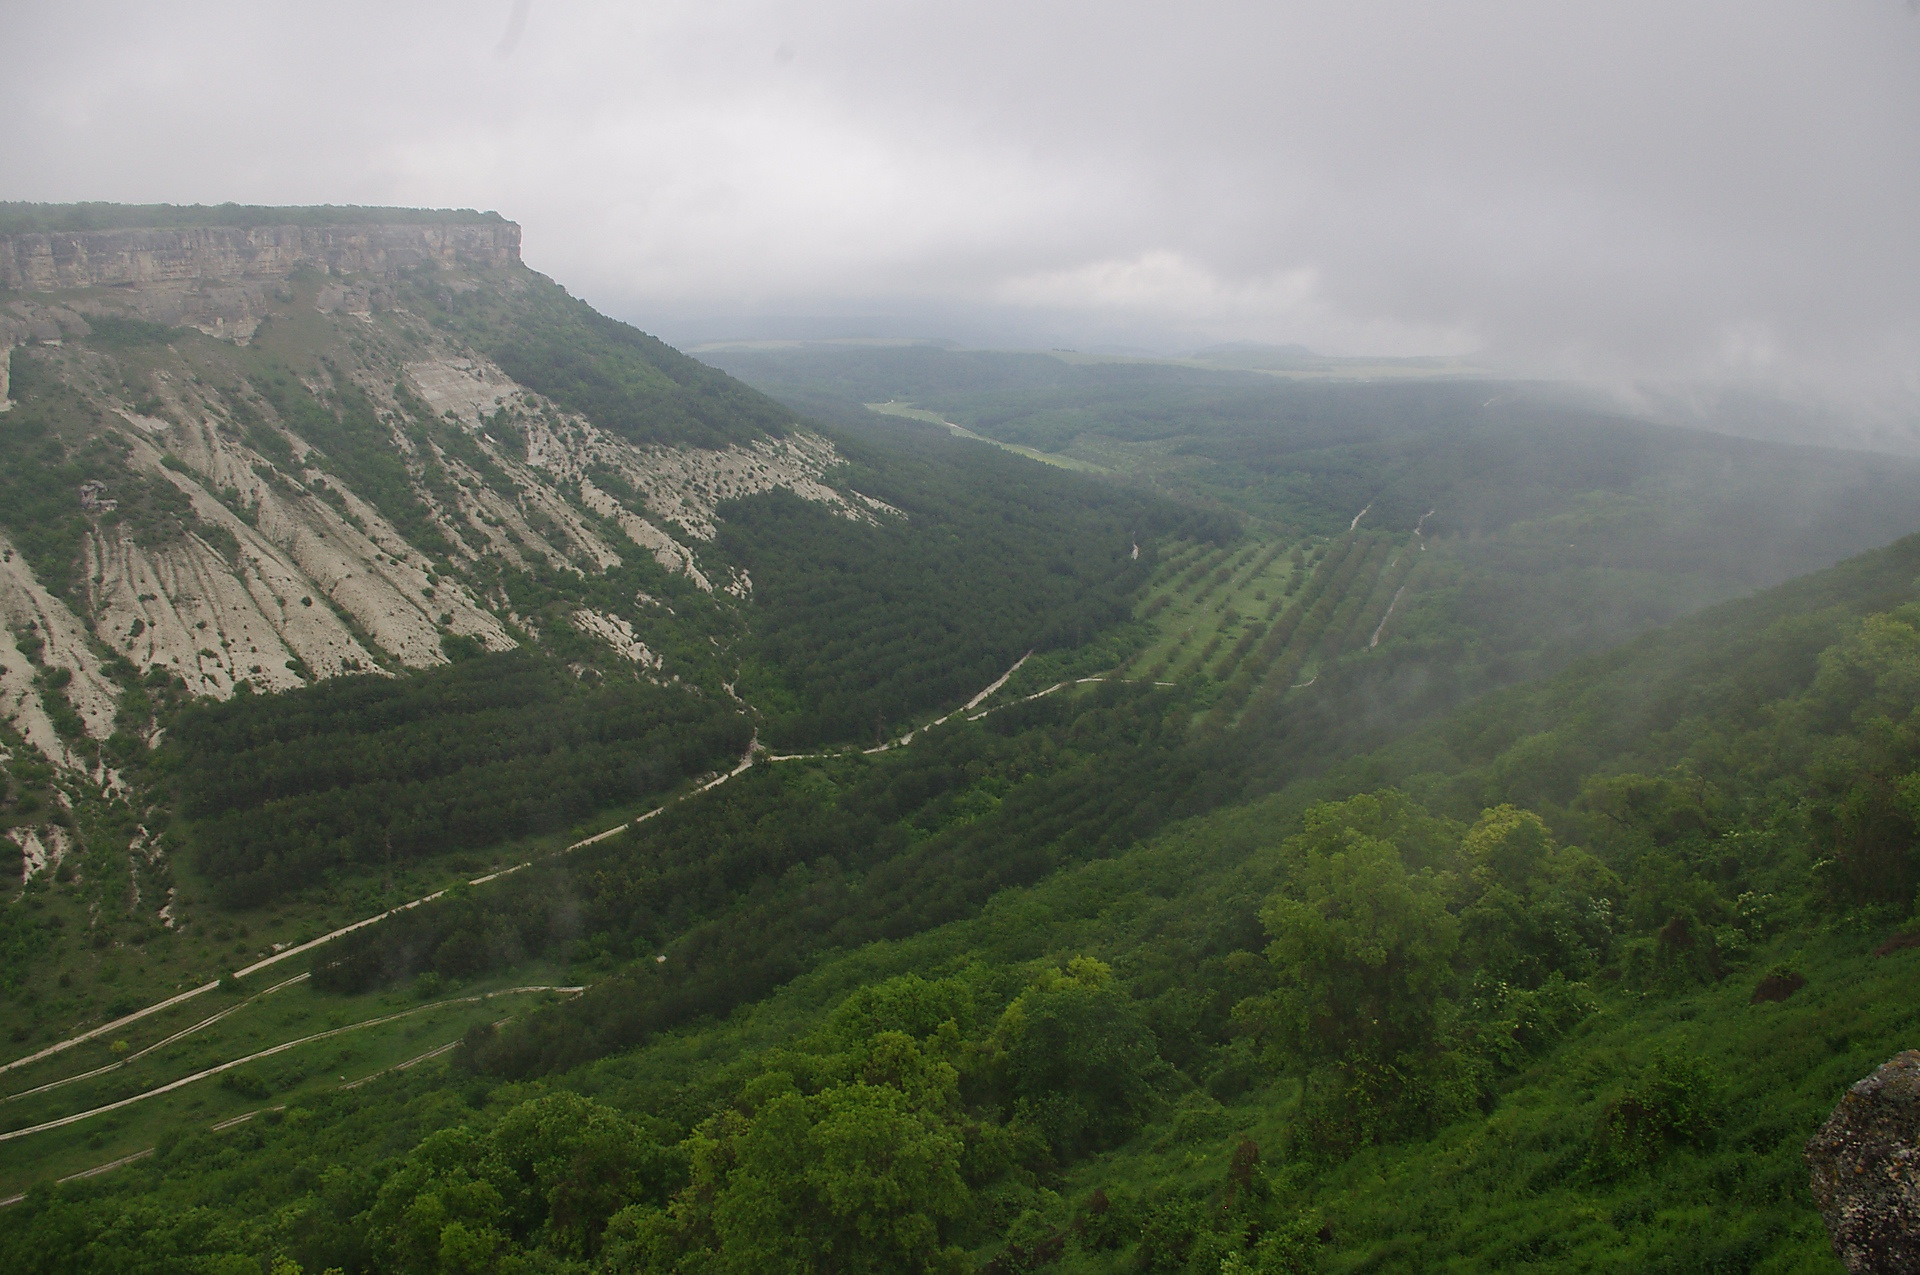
[[1613, 188]]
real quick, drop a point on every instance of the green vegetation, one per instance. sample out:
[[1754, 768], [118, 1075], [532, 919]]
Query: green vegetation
[[1031, 453], [1379, 861], [357, 446], [857, 629], [1258, 617], [249, 1047], [1559, 531], [626, 382], [760, 881], [121, 332], [48, 452], [361, 772], [1566, 1037]]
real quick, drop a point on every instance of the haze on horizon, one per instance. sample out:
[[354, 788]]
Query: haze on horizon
[[1724, 190]]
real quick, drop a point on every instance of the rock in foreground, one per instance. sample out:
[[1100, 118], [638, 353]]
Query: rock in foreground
[[1865, 1162]]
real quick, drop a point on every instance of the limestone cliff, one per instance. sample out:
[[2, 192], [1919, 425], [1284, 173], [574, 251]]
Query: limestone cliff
[[222, 280], [270, 454], [53, 261]]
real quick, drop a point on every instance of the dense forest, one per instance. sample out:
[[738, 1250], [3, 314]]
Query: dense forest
[[366, 772], [857, 629], [742, 892], [1149, 1058], [1180, 820]]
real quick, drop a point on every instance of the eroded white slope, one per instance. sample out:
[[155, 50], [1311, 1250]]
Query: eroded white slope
[[297, 546], [31, 613], [618, 634], [683, 486], [289, 574], [184, 607], [20, 700], [304, 578], [668, 552]]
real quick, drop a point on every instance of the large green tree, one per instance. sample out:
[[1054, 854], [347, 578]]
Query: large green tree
[[1533, 908], [1361, 946], [858, 1176], [1080, 1063]]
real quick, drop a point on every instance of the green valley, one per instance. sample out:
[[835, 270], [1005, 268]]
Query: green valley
[[486, 791]]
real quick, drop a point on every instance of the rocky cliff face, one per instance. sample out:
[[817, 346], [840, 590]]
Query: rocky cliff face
[[233, 254], [222, 280], [269, 455]]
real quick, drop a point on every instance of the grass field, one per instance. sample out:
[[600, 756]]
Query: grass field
[[1262, 617], [359, 1037], [1257, 617], [1204, 598]]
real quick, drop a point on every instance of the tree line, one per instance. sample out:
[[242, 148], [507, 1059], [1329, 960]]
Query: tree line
[[277, 792]]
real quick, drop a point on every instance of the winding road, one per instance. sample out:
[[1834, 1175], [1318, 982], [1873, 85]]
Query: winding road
[[269, 1052], [280, 954]]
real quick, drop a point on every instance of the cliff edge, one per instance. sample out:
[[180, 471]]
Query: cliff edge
[[56, 260]]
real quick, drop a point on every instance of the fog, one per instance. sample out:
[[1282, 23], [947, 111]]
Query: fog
[[1620, 191]]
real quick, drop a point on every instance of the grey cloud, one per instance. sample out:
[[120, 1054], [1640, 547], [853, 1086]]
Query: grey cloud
[[1626, 189]]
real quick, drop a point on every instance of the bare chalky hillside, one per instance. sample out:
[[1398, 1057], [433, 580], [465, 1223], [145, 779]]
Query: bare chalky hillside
[[262, 455]]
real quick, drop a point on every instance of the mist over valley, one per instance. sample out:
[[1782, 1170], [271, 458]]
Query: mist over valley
[[877, 639]]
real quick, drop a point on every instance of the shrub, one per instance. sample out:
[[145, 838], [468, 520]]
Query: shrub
[[246, 1084], [1676, 1102], [1779, 984]]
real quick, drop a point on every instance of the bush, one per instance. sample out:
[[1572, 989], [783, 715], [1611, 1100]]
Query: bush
[[246, 1084], [1676, 1102]]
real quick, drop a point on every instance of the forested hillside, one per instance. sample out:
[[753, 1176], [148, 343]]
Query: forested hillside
[[1537, 529], [859, 628], [1636, 927], [378, 552], [1483, 454], [281, 792], [491, 793]]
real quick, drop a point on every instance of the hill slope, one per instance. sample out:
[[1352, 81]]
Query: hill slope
[[763, 844], [1635, 929], [346, 510]]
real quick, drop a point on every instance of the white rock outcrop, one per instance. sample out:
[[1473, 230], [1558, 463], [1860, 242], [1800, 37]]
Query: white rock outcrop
[[31, 615], [41, 849], [683, 486], [618, 634], [284, 572]]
